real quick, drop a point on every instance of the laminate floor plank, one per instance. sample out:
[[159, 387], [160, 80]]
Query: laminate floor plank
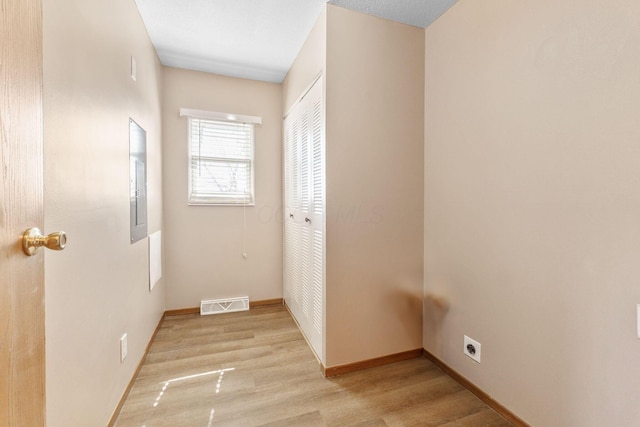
[[305, 420], [254, 368], [194, 337], [484, 417]]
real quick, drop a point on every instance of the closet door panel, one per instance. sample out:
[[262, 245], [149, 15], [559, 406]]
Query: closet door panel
[[317, 266], [288, 207], [305, 184], [304, 215], [317, 161], [305, 273], [317, 224]]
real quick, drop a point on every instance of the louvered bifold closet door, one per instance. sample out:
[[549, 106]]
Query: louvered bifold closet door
[[305, 201], [317, 207], [296, 248], [292, 226], [304, 215], [288, 209]]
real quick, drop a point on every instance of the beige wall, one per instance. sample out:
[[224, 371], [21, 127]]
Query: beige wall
[[205, 243], [309, 64], [97, 288], [532, 203], [374, 85], [374, 220]]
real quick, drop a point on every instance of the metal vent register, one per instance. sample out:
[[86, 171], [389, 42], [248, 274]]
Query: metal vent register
[[224, 305]]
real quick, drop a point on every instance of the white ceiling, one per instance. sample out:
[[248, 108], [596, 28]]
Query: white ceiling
[[255, 39]]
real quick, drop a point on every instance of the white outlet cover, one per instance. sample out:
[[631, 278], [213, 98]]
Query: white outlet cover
[[476, 346], [123, 347], [134, 69], [638, 318]]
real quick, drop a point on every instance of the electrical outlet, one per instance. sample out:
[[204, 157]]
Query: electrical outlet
[[472, 348], [134, 69], [123, 347], [638, 318]]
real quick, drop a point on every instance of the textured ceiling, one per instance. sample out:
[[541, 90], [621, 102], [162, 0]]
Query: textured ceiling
[[419, 13], [255, 39]]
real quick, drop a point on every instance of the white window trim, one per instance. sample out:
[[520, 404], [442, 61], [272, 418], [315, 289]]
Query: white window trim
[[227, 117], [213, 115]]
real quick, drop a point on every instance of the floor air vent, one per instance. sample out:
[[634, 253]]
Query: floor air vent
[[228, 305]]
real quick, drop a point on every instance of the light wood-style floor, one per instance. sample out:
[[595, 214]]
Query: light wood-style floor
[[254, 368]]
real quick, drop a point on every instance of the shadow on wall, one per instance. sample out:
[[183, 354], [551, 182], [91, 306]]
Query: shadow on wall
[[406, 302], [435, 308]]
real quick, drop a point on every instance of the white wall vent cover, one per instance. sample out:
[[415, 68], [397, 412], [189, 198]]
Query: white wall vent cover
[[228, 305]]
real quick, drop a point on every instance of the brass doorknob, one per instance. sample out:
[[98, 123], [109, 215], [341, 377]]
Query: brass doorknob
[[32, 239]]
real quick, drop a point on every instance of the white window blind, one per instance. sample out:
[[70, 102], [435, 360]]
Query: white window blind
[[220, 162]]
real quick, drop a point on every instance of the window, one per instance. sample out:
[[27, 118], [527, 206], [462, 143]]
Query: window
[[221, 150]]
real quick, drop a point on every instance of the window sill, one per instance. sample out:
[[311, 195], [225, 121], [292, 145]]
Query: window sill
[[219, 204]]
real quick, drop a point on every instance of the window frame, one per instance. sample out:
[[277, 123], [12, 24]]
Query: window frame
[[220, 199]]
